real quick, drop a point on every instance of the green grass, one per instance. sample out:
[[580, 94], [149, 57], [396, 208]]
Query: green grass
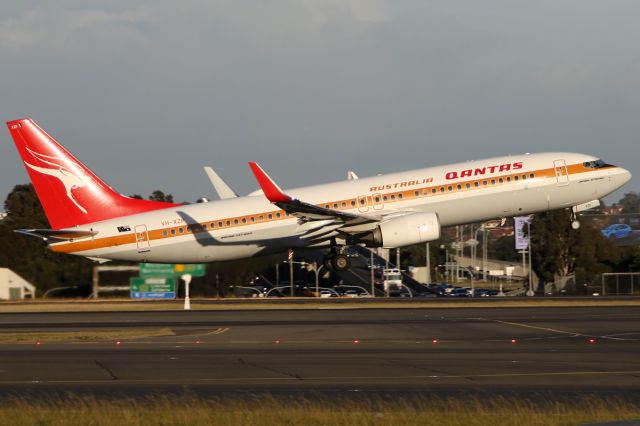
[[271, 411]]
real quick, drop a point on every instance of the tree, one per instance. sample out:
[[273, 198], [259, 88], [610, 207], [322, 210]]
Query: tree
[[630, 202], [30, 257], [158, 195], [559, 250]]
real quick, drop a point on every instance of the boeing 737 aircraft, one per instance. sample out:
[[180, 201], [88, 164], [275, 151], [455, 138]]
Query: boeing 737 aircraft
[[88, 218]]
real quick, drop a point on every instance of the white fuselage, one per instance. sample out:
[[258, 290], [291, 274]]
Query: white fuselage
[[248, 226]]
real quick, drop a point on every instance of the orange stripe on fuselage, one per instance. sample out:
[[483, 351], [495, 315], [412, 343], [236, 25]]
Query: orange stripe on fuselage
[[351, 203]]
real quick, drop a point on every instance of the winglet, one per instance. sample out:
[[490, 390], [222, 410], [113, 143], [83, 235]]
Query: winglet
[[221, 187], [271, 190]]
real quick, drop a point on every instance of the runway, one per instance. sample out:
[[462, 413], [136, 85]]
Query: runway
[[335, 352]]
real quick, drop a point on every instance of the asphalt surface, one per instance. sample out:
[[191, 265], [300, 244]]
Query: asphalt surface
[[557, 352]]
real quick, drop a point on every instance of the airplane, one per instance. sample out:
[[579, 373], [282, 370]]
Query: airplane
[[88, 218]]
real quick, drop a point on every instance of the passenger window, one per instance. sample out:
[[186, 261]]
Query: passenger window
[[384, 198], [400, 196], [531, 175], [270, 216], [253, 219], [500, 180], [180, 230], [344, 204], [335, 205], [476, 184], [433, 191], [425, 192], [377, 199], [235, 221], [164, 233], [468, 185], [484, 182], [220, 224], [508, 178], [493, 181], [416, 193], [515, 178], [173, 231], [278, 214], [524, 177], [450, 188], [228, 223], [442, 189], [393, 196], [260, 218], [459, 186], [353, 203], [244, 220]]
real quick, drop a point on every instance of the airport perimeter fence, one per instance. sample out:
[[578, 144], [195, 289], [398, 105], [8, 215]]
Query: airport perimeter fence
[[621, 284]]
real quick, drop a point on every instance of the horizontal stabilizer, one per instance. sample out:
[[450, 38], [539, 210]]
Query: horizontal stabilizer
[[58, 234]]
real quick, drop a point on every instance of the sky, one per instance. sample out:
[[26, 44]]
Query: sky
[[146, 93]]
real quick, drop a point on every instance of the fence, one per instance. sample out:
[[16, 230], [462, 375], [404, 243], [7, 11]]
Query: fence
[[621, 284]]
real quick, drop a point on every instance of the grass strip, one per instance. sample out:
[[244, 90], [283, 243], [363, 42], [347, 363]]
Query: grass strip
[[83, 336], [271, 411], [266, 304]]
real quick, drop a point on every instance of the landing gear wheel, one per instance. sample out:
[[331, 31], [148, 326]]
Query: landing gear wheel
[[340, 262], [575, 224]]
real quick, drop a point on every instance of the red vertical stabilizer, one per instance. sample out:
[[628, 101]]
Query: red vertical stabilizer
[[69, 192]]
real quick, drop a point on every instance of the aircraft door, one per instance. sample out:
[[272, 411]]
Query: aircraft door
[[562, 174], [142, 238]]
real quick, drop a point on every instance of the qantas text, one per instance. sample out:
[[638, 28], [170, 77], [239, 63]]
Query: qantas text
[[484, 170]]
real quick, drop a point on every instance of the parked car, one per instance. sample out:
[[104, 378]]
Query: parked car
[[617, 230], [459, 292]]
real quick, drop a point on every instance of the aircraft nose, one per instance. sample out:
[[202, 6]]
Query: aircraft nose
[[624, 176]]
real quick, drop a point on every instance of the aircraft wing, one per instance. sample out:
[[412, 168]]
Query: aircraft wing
[[306, 211]]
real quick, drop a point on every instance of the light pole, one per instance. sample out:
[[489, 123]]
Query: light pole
[[373, 275], [530, 292], [316, 270], [291, 262], [428, 265]]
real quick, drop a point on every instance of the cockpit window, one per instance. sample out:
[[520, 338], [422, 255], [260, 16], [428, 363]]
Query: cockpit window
[[594, 164]]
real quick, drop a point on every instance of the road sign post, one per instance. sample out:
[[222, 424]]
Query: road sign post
[[187, 301]]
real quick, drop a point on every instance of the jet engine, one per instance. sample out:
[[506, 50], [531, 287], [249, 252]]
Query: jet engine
[[405, 230]]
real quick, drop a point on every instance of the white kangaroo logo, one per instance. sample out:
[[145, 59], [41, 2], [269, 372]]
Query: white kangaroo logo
[[69, 179]]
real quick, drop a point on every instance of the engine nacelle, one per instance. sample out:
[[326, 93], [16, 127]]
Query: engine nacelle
[[405, 230]]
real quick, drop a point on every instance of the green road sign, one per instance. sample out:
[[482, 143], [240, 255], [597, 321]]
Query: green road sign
[[153, 287], [170, 269], [193, 269]]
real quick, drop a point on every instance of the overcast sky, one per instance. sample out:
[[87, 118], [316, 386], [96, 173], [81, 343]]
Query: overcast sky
[[147, 92]]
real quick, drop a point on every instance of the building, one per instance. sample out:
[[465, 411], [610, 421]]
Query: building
[[13, 286]]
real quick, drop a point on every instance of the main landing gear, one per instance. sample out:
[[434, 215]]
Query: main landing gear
[[336, 261]]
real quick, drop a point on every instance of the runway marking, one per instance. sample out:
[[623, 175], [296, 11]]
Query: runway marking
[[553, 330], [218, 331]]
